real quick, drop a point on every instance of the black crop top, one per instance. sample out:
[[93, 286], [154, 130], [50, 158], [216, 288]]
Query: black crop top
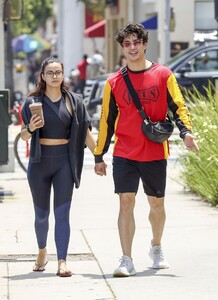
[[54, 127]]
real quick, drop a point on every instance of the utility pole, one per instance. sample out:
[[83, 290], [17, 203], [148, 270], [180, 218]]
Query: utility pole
[[2, 46], [164, 30], [70, 46], [167, 30]]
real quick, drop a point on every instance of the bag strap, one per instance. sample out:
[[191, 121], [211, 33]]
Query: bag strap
[[133, 94]]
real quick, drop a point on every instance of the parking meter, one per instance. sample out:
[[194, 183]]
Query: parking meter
[[5, 121]]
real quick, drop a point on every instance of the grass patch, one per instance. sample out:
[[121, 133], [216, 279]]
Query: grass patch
[[200, 171]]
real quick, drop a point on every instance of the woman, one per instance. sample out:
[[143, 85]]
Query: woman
[[56, 156]]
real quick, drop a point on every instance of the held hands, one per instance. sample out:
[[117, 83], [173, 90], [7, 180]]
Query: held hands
[[100, 169], [190, 143]]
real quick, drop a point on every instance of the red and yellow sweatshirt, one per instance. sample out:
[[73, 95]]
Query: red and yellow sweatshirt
[[158, 91]]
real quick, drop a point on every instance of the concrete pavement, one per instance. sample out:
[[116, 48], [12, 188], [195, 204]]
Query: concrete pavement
[[190, 244]]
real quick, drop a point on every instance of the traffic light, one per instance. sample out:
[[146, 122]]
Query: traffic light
[[172, 20], [16, 9], [111, 2], [13, 10]]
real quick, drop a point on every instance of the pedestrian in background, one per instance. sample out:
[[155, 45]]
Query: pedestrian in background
[[121, 63], [56, 156], [82, 67], [135, 157], [96, 62]]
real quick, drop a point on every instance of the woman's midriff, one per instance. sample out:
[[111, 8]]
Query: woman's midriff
[[53, 142]]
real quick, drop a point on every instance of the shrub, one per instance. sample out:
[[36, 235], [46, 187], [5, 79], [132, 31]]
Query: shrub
[[200, 172]]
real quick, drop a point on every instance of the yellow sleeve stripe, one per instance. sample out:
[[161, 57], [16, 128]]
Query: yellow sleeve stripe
[[178, 105], [166, 151], [103, 129]]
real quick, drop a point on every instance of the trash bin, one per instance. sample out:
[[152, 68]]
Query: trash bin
[[5, 121]]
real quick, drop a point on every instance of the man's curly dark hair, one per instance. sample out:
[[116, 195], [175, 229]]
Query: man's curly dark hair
[[136, 29]]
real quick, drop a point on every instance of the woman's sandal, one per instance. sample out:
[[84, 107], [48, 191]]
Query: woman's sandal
[[39, 268], [64, 273]]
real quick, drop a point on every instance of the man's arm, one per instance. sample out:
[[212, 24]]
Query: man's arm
[[190, 143], [106, 129], [180, 112]]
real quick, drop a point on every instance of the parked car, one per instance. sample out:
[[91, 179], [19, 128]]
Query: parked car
[[196, 66], [192, 67], [93, 98]]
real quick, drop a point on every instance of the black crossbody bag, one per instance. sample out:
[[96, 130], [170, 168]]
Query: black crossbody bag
[[157, 132]]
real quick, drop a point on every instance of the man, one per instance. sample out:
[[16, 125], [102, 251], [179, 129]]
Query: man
[[82, 67], [135, 157]]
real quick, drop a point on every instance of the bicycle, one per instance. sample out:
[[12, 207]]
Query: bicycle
[[21, 147], [22, 151]]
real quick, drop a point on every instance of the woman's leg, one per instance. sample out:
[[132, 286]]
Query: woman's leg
[[62, 229], [63, 190], [40, 185]]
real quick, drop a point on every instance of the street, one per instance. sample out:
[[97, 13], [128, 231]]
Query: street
[[94, 250]]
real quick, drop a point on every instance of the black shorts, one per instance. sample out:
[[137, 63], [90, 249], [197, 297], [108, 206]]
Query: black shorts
[[127, 173]]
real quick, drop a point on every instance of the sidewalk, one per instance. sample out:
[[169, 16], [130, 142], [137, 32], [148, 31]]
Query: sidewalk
[[190, 244]]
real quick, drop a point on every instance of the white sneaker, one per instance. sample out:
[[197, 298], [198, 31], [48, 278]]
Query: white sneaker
[[156, 254], [126, 268]]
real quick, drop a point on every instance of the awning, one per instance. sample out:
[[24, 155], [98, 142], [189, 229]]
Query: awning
[[96, 30], [150, 23]]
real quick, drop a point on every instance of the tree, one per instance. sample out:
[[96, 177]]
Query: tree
[[35, 14]]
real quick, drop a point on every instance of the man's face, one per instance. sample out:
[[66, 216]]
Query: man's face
[[133, 48]]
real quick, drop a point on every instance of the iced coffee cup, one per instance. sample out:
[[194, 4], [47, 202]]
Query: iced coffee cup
[[36, 109]]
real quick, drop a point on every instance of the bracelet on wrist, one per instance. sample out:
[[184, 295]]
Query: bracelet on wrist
[[28, 129]]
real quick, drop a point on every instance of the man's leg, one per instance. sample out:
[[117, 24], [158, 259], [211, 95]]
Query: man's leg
[[126, 222], [157, 217], [126, 181], [126, 226]]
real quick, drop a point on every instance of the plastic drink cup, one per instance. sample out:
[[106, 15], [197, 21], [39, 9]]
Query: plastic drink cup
[[36, 109]]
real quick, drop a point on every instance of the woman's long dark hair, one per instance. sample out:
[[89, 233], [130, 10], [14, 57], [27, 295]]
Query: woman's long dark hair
[[41, 85]]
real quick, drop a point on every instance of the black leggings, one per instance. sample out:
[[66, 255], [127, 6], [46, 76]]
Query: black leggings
[[53, 170]]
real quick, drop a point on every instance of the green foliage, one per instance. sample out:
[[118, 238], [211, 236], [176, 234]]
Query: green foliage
[[35, 14], [200, 172]]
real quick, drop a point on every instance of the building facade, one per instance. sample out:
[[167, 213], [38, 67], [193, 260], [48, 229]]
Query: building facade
[[173, 25]]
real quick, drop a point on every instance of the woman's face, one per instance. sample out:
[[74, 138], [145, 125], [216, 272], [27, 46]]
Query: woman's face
[[53, 74]]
